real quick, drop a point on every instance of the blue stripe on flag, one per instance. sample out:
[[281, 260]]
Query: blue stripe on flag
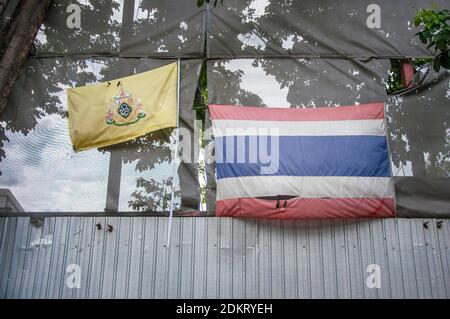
[[304, 156]]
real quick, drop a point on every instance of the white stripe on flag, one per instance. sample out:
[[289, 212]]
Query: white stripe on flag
[[305, 187], [299, 128]]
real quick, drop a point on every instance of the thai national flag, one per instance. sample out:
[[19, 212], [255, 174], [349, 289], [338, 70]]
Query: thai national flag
[[328, 162]]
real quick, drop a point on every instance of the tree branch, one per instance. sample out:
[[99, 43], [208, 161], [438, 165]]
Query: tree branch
[[3, 5], [27, 24], [8, 27]]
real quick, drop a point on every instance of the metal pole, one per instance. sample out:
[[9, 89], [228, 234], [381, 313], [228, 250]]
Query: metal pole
[[114, 177], [175, 155]]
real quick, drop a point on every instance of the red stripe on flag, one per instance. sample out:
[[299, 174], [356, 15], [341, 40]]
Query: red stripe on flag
[[306, 208], [373, 111]]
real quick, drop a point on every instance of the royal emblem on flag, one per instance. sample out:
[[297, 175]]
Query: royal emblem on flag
[[125, 109]]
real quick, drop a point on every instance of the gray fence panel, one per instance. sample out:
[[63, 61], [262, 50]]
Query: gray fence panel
[[228, 258]]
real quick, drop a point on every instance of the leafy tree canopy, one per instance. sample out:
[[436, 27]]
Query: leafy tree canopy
[[435, 33]]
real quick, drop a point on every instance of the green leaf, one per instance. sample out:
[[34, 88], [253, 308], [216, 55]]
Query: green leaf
[[422, 38], [446, 35], [416, 21], [445, 60], [200, 3], [442, 46], [436, 65], [438, 37]]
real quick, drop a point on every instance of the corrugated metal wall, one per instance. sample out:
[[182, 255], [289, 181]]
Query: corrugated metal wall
[[224, 258]]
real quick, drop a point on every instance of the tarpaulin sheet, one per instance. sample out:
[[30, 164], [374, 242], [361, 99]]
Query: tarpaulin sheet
[[419, 128], [418, 122], [40, 168], [237, 28], [149, 28], [296, 82], [423, 197], [311, 28]]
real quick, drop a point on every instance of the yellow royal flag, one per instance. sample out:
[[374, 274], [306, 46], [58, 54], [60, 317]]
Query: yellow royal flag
[[123, 109]]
